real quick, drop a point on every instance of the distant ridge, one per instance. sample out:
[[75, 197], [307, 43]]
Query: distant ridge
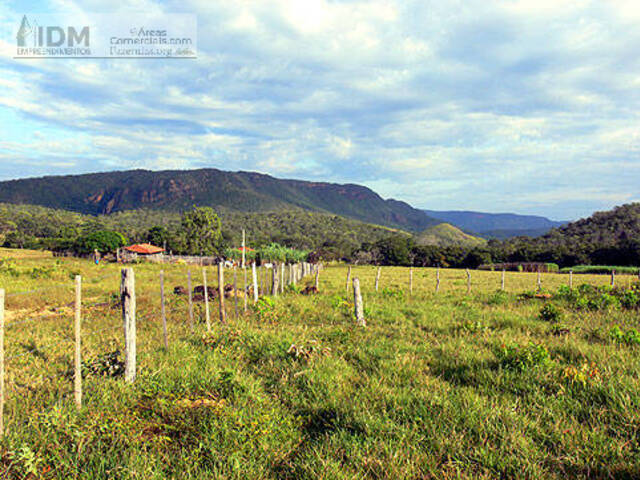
[[177, 190], [496, 225]]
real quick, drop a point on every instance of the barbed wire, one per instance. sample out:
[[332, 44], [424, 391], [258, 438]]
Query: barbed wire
[[60, 285]]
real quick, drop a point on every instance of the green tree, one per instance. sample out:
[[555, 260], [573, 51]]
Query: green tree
[[201, 232], [105, 241], [158, 236]]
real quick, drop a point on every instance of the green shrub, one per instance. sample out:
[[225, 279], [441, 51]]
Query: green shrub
[[522, 358], [550, 313], [630, 337]]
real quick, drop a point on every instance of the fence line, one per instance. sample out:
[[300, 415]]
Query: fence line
[[130, 317]]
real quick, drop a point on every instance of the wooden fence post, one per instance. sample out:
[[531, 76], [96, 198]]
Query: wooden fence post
[[223, 318], [128, 302], [255, 282], [348, 279], [613, 278], [539, 280], [244, 297], [571, 279], [275, 277], [77, 384], [190, 301], [357, 303], [468, 281], [410, 280], [437, 279], [282, 268], [378, 278], [235, 290], [1, 362], [207, 313], [165, 334], [317, 279], [502, 281], [243, 249]]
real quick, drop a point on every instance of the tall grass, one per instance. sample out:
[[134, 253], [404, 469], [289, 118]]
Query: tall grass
[[443, 385]]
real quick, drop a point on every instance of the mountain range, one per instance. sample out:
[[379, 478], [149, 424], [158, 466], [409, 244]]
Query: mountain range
[[177, 190]]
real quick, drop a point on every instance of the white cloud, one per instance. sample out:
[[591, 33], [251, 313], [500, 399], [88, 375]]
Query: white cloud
[[426, 101]]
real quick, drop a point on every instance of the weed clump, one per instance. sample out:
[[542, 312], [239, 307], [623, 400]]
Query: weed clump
[[522, 358], [550, 313], [629, 337], [105, 365]]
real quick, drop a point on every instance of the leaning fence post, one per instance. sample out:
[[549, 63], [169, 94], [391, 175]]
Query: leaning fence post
[[128, 301], [207, 313], [190, 300], [1, 361], [348, 279], [357, 303], [254, 274], [165, 335], [502, 281], [223, 318], [377, 279], [468, 281], [77, 385]]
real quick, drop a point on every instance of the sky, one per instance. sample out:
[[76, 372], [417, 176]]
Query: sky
[[510, 106]]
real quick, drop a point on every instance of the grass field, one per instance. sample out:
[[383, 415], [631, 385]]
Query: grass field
[[436, 386]]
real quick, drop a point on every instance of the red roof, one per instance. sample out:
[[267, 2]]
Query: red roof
[[246, 249], [144, 248]]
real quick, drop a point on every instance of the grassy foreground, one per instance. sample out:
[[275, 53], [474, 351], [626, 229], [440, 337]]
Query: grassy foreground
[[436, 386]]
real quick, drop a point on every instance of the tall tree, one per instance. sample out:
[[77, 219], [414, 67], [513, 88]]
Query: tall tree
[[201, 231]]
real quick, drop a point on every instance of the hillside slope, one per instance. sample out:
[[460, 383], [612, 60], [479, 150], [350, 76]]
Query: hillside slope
[[41, 226], [446, 235], [606, 238], [496, 225], [105, 193]]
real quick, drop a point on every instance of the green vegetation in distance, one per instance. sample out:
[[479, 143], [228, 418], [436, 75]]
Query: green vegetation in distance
[[600, 269]]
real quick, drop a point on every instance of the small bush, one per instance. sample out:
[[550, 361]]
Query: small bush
[[550, 313], [630, 337], [522, 358], [105, 365]]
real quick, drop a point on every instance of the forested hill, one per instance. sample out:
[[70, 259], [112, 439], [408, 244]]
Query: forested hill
[[611, 237], [28, 226], [105, 193]]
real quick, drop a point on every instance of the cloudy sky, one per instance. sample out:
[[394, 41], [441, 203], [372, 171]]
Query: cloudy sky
[[530, 106]]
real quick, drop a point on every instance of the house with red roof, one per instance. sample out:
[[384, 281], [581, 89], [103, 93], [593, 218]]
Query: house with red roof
[[145, 250]]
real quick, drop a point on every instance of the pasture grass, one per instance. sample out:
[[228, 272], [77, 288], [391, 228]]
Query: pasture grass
[[448, 385]]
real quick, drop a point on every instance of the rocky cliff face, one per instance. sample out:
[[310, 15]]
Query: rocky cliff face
[[105, 193]]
